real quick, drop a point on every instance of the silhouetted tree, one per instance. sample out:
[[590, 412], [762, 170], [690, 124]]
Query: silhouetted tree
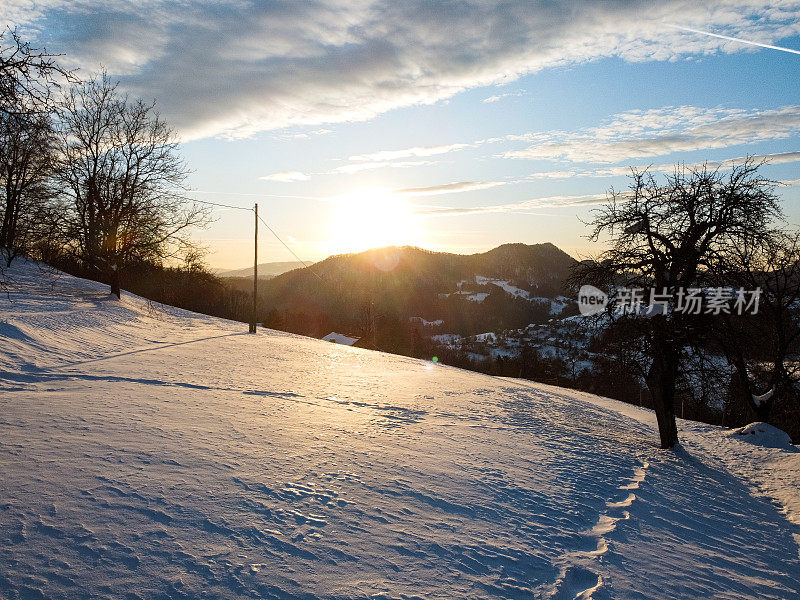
[[28, 76], [759, 346], [28, 79], [124, 179], [27, 157], [664, 236]]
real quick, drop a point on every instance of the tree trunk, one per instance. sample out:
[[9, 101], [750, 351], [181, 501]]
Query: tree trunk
[[661, 382], [758, 411], [762, 409], [5, 230], [115, 281]]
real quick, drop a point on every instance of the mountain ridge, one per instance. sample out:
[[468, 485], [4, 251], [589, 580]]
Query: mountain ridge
[[508, 286], [266, 270]]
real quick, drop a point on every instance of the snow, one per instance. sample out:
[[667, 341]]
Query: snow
[[504, 352], [339, 338], [425, 322], [479, 297], [504, 285], [150, 452], [764, 434], [557, 305], [765, 397], [489, 337], [768, 472], [447, 339]]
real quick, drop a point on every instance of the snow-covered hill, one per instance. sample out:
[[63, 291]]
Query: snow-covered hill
[[148, 452]]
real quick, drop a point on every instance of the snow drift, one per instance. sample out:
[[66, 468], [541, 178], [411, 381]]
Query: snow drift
[[149, 452]]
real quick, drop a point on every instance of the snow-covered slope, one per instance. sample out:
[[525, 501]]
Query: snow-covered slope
[[147, 452]]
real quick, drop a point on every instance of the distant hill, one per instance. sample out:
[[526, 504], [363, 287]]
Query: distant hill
[[265, 270], [509, 286]]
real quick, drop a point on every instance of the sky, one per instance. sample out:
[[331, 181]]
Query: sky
[[451, 125]]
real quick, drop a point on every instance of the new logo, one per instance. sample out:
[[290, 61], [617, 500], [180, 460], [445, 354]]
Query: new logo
[[591, 300]]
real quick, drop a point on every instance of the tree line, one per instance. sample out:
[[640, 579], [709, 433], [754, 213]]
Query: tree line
[[91, 177]]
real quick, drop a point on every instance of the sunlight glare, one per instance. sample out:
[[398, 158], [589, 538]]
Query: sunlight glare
[[372, 218]]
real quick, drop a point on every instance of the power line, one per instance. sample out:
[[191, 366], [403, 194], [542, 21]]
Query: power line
[[272, 231], [222, 205], [304, 263]]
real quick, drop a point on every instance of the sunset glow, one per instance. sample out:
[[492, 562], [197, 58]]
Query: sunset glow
[[372, 217], [469, 299]]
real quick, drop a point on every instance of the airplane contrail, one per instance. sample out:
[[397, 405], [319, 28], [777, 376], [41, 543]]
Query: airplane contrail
[[733, 39]]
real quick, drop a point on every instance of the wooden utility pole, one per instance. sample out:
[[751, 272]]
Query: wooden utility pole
[[372, 328], [253, 322]]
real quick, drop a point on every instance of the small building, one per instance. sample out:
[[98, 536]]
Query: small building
[[338, 338]]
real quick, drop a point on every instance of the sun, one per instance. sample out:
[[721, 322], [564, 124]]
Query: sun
[[370, 218]]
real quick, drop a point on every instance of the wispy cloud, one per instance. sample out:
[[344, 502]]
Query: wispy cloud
[[552, 175], [772, 159], [306, 135], [561, 201], [658, 132], [450, 188], [220, 68], [286, 176], [498, 97], [370, 166], [415, 152]]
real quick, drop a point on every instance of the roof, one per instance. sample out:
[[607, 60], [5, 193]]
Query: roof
[[338, 338]]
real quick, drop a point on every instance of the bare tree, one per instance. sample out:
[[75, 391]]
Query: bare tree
[[28, 76], [124, 179], [759, 346], [28, 79], [664, 237], [26, 165]]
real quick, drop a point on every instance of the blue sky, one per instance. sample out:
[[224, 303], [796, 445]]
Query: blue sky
[[454, 125]]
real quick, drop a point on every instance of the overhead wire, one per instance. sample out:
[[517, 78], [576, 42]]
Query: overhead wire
[[285, 245], [271, 230], [222, 205]]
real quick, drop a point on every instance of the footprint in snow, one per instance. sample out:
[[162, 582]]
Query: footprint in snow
[[577, 581]]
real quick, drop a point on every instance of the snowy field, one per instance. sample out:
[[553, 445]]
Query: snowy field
[[148, 452]]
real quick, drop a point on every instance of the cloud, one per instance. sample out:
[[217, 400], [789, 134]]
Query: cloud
[[772, 159], [552, 175], [499, 97], [658, 132], [234, 67], [418, 151], [523, 206], [369, 166], [449, 188], [736, 39], [286, 176], [348, 169], [21, 13], [306, 135]]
